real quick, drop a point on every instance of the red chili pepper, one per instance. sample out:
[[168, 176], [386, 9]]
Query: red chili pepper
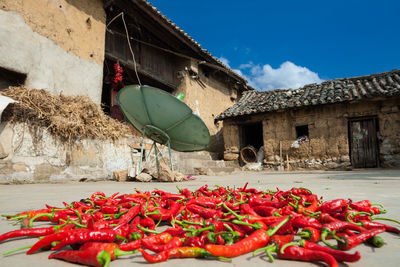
[[300, 191], [311, 234], [31, 232], [208, 202], [162, 238], [181, 252], [148, 223], [337, 254], [173, 243], [265, 211], [247, 209], [165, 214], [168, 196], [365, 206], [372, 225], [47, 240], [86, 257], [195, 241], [338, 226], [134, 230], [325, 218], [303, 254], [110, 209], [204, 190], [111, 248], [254, 201], [53, 216], [302, 221], [186, 193], [85, 235], [175, 231], [333, 205], [281, 239], [256, 240], [205, 213], [349, 242], [27, 214]]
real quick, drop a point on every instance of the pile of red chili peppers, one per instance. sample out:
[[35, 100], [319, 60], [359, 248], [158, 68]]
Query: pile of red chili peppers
[[219, 223]]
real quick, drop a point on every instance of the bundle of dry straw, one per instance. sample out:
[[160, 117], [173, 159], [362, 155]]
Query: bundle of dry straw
[[68, 118]]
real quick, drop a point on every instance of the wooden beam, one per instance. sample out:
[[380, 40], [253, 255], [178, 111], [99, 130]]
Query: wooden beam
[[131, 65]]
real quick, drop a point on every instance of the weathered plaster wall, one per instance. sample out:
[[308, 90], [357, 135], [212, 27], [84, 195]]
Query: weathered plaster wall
[[389, 133], [78, 27], [328, 146], [35, 41], [35, 156], [208, 99]]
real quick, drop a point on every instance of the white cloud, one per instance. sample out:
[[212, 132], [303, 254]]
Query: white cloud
[[224, 61], [288, 75]]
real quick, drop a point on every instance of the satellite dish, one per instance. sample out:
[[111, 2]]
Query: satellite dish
[[163, 118]]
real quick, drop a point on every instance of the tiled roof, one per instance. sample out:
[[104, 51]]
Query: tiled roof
[[204, 52], [331, 91]]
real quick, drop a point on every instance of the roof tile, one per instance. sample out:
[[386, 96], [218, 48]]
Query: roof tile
[[332, 91]]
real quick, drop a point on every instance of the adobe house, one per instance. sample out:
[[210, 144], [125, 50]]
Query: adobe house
[[65, 46], [73, 53], [340, 123]]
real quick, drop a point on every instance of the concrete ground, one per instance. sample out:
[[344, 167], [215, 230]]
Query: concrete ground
[[380, 186]]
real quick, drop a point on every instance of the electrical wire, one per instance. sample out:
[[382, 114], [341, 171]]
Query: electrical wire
[[129, 43]]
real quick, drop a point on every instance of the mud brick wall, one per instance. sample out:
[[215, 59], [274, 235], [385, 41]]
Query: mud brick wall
[[328, 145]]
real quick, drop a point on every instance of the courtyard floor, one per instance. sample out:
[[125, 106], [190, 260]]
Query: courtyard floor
[[378, 186]]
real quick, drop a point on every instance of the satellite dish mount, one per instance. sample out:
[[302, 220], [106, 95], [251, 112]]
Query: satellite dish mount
[[158, 136]]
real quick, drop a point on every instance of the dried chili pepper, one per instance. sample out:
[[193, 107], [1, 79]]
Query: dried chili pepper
[[173, 243], [281, 239], [111, 248], [206, 213], [336, 227], [349, 242], [265, 211], [367, 206], [302, 221], [333, 205], [257, 239], [31, 232], [303, 254], [87, 257], [337, 254], [310, 233], [162, 238], [181, 252]]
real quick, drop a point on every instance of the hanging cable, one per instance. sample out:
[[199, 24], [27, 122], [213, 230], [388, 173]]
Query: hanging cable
[[129, 43]]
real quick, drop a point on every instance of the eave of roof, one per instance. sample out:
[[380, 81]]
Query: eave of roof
[[188, 40], [385, 84]]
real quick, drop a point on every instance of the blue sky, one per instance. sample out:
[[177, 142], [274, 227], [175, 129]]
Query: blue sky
[[286, 44]]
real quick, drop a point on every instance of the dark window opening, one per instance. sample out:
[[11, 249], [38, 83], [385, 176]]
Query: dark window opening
[[10, 78], [252, 135], [302, 131]]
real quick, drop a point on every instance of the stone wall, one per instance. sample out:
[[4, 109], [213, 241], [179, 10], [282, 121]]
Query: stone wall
[[57, 44], [328, 145], [33, 155]]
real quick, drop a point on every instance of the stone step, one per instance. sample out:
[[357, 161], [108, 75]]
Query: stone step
[[220, 170], [191, 155]]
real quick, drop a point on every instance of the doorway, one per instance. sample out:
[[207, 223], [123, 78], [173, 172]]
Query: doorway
[[251, 135], [363, 142]]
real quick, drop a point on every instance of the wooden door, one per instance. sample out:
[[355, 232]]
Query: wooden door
[[363, 143]]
